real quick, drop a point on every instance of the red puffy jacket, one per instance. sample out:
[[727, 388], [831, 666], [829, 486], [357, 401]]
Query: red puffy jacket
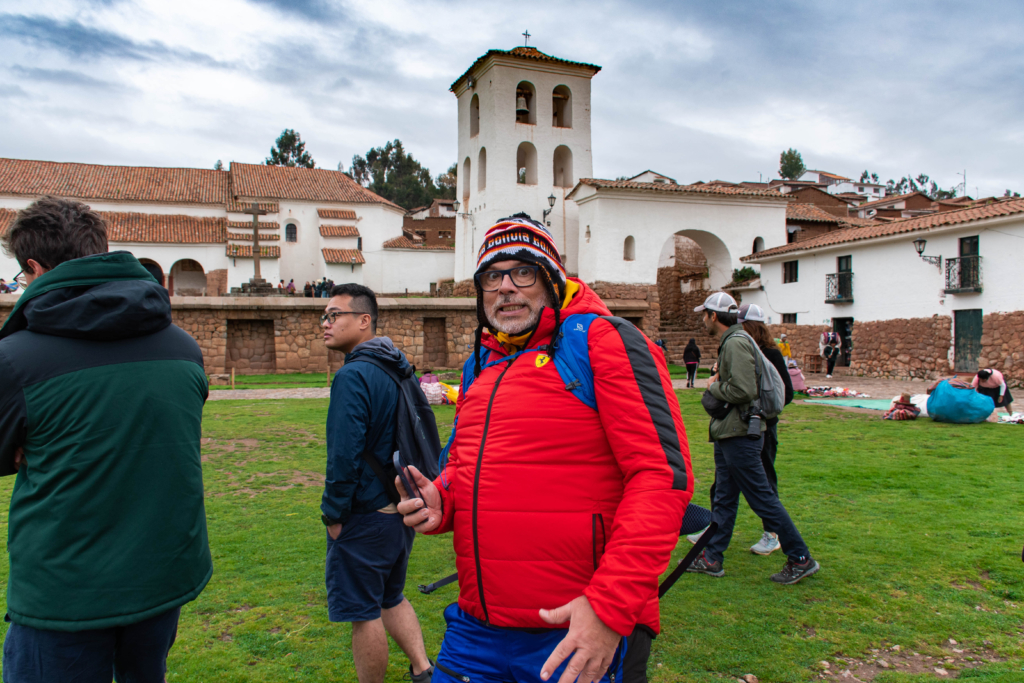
[[550, 500]]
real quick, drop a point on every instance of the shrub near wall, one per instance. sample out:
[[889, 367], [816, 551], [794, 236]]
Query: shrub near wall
[[902, 348], [1001, 343]]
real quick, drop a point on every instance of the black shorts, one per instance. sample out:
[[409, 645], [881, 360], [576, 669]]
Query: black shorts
[[366, 566]]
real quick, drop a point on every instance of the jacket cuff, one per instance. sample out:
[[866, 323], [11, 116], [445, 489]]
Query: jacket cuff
[[342, 516], [615, 620]]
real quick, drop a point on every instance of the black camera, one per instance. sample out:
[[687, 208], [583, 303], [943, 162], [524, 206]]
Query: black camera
[[754, 427]]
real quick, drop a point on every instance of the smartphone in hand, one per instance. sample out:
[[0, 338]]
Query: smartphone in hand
[[407, 480]]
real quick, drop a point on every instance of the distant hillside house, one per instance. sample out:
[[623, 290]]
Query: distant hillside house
[[432, 226], [837, 184]]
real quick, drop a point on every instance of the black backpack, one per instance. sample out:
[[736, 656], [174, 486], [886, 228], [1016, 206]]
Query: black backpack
[[416, 437]]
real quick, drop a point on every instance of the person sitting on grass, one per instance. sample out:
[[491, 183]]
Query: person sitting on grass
[[902, 409], [991, 383]]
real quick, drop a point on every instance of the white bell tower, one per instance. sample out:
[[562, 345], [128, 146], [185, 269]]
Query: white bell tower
[[524, 138]]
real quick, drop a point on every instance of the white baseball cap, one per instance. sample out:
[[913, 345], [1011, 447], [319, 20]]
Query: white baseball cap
[[750, 313], [719, 302]]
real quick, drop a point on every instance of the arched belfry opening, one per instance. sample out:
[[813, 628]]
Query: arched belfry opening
[[526, 164], [481, 170], [629, 249], [561, 107], [466, 168], [563, 175], [758, 245], [526, 103], [474, 116]]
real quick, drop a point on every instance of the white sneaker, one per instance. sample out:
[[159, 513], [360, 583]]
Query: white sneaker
[[768, 544], [693, 538], [828, 376]]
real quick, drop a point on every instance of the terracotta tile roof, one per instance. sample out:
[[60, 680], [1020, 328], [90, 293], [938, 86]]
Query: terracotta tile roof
[[339, 231], [810, 213], [308, 184], [245, 251], [830, 175], [6, 219], [247, 225], [116, 183], [247, 236], [235, 206], [163, 228], [343, 256], [344, 214], [897, 227], [523, 52], [697, 188], [891, 199], [404, 242]]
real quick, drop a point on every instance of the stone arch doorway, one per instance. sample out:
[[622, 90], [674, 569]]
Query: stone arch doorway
[[187, 279], [692, 264], [154, 269]]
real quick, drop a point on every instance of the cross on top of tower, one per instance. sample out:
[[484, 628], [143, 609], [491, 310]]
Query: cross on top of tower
[[526, 38]]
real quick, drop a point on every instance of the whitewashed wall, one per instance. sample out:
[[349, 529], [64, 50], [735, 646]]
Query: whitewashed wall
[[724, 227], [890, 280], [412, 269]]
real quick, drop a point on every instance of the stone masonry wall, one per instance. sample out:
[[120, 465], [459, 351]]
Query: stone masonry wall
[[250, 347], [902, 348], [615, 291], [803, 339], [1002, 344]]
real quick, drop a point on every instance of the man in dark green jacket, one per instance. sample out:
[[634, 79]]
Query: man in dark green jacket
[[101, 404], [738, 467]]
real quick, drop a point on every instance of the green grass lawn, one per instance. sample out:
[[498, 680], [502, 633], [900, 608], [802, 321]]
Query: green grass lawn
[[679, 371], [293, 380], [917, 525]]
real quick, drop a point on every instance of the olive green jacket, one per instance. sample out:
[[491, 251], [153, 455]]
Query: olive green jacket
[[737, 383]]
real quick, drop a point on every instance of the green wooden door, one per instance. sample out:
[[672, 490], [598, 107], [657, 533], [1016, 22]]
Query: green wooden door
[[967, 346]]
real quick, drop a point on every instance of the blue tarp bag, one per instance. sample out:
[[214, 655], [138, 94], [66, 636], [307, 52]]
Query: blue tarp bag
[[962, 406]]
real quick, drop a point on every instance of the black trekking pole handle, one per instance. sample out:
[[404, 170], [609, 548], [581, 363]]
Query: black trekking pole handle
[[696, 550], [441, 583]]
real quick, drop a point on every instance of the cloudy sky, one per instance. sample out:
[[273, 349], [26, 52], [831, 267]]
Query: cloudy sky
[[696, 90]]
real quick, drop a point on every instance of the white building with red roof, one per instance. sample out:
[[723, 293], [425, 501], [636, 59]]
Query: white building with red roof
[[189, 228]]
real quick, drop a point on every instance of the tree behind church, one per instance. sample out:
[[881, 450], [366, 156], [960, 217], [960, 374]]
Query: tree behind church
[[791, 164], [290, 150], [394, 174]]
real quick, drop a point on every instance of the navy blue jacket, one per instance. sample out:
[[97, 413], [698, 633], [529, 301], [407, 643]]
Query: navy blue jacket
[[361, 416]]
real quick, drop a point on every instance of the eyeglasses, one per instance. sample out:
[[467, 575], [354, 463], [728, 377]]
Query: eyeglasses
[[522, 276], [333, 315], [18, 281]]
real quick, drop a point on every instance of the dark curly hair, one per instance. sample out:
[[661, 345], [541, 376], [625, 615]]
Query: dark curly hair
[[54, 230]]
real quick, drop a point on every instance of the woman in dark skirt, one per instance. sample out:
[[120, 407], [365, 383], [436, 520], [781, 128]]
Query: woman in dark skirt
[[691, 358], [991, 383]]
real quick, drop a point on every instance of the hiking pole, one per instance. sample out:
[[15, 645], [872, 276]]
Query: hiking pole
[[696, 550], [440, 583]]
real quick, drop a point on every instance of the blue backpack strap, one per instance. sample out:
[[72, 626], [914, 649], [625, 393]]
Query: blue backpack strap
[[572, 357]]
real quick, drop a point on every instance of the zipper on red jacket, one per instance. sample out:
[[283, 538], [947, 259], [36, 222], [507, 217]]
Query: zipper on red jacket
[[476, 493]]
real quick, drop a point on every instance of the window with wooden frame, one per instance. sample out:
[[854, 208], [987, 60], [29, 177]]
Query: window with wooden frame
[[790, 271]]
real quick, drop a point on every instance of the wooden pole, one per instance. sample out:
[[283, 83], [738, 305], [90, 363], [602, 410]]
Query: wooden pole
[[232, 379]]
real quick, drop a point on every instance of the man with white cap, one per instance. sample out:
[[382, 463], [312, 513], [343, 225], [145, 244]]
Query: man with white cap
[[738, 467]]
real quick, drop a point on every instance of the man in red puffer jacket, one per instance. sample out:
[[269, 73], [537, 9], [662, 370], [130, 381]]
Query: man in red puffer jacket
[[564, 517]]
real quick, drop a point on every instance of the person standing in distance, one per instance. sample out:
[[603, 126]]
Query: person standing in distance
[[738, 467], [368, 545], [564, 515], [691, 359], [101, 408], [752, 317]]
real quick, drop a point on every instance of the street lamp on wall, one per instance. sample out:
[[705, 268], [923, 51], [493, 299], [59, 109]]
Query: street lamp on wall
[[551, 204], [919, 245]]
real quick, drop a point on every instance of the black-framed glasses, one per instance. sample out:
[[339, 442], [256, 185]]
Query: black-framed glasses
[[18, 281], [333, 316], [521, 276]]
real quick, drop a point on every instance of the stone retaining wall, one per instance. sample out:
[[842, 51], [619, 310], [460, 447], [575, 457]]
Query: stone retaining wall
[[613, 293], [1002, 345], [803, 339], [915, 348]]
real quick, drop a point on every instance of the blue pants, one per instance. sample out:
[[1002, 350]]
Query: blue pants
[[473, 651], [136, 653], [738, 469]]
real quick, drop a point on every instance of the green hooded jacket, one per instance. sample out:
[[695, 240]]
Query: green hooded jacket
[[107, 525], [737, 383]]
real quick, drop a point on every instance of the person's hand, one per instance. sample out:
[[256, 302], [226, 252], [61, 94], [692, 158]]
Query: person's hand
[[712, 379], [19, 457], [592, 642], [424, 514], [334, 530]]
